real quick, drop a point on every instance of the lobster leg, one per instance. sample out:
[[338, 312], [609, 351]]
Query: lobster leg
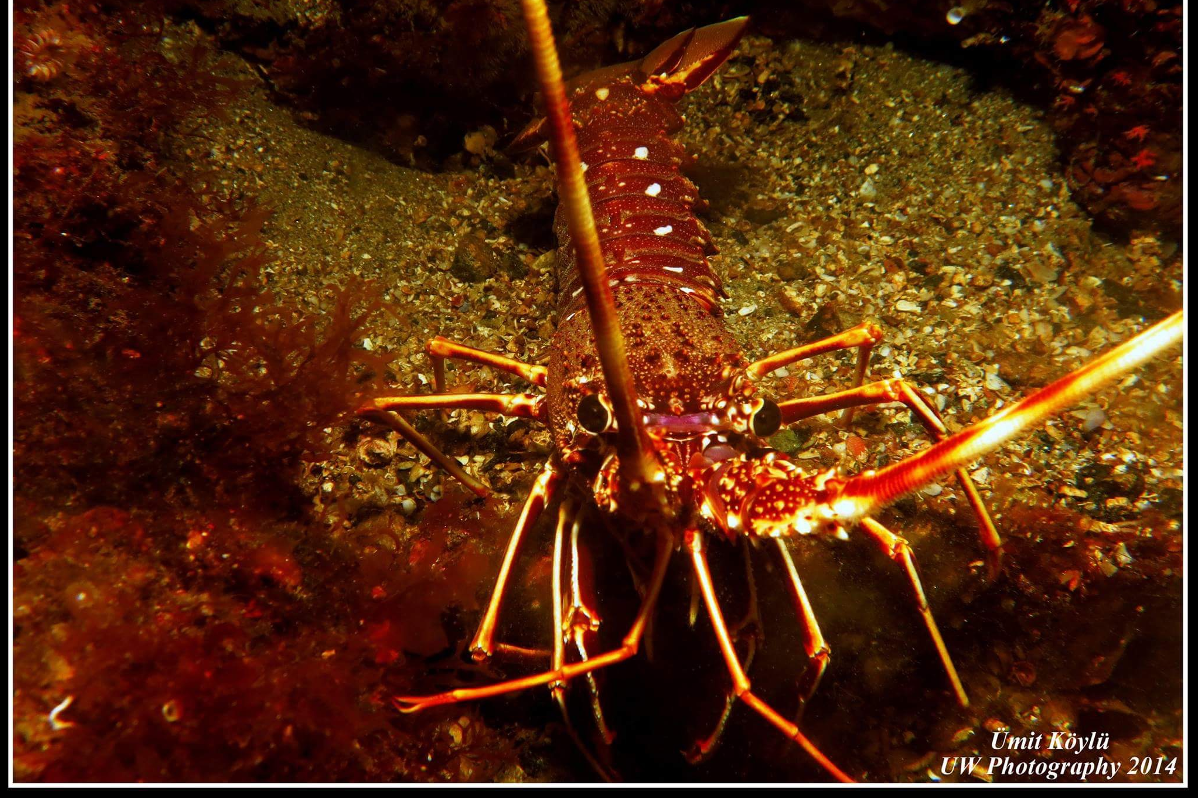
[[386, 410], [898, 550], [399, 424], [514, 405], [440, 349], [482, 646], [581, 622], [703, 748], [567, 516], [515, 652], [814, 643], [564, 512], [900, 391], [572, 619], [741, 683], [864, 337], [628, 648]]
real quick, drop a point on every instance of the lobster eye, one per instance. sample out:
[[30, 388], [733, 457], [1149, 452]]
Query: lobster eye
[[593, 414], [767, 419]]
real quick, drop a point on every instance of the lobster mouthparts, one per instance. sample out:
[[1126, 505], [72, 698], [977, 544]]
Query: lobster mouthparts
[[768, 496]]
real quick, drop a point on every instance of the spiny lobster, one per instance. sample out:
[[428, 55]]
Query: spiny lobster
[[654, 411]]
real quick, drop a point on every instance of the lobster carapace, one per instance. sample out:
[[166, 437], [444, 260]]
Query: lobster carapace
[[655, 412]]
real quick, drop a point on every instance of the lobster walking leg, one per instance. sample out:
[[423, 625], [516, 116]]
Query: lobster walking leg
[[898, 550], [581, 622], [567, 516], [703, 748], [514, 405], [864, 337], [628, 648], [741, 682], [414, 437], [814, 643], [440, 349], [565, 512], [482, 646], [386, 410], [901, 391]]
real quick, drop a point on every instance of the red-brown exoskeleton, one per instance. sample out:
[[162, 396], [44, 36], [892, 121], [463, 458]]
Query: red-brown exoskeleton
[[655, 412]]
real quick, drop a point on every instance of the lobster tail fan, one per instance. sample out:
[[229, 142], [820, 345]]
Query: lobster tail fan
[[636, 454], [687, 60], [681, 64], [667, 56]]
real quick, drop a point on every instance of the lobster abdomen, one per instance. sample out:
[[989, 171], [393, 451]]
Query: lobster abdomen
[[655, 248], [643, 205]]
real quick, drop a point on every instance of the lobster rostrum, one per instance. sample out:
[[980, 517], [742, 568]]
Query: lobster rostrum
[[655, 412]]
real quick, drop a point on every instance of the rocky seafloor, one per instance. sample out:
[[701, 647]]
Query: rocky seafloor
[[846, 183]]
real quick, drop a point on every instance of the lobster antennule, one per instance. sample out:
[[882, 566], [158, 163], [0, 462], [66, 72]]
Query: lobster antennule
[[633, 445], [875, 489]]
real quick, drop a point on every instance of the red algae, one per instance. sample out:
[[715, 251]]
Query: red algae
[[146, 339], [177, 670], [178, 615], [450, 561]]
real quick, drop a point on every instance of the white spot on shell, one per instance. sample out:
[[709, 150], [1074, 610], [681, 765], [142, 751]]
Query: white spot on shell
[[653, 189], [641, 152], [602, 93], [663, 231], [673, 269]]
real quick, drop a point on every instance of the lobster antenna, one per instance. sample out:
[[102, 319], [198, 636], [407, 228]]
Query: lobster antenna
[[633, 447], [874, 489]]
